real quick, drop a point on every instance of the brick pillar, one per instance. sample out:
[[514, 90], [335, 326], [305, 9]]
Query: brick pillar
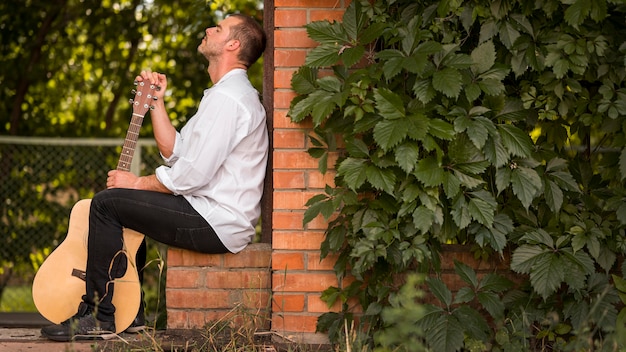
[[203, 288], [298, 276]]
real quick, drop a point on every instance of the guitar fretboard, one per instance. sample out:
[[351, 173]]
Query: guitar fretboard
[[130, 142]]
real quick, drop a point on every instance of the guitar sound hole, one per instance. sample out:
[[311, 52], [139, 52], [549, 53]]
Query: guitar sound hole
[[119, 266]]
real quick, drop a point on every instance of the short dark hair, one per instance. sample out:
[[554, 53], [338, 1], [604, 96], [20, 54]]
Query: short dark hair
[[252, 37]]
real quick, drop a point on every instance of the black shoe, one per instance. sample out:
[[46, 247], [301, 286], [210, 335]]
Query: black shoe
[[82, 326], [139, 324]]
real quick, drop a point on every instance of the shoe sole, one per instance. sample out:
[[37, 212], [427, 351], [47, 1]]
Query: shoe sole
[[135, 329], [102, 336], [98, 336]]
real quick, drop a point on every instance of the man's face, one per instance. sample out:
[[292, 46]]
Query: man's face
[[216, 38]]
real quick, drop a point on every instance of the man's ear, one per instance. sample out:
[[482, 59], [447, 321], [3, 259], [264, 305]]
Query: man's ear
[[233, 44]]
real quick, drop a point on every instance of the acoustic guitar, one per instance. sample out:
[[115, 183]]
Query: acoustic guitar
[[59, 284]]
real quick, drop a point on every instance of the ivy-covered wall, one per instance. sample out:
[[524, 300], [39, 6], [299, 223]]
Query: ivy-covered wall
[[494, 124]]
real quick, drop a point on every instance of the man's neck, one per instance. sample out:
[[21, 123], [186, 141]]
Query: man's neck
[[217, 71]]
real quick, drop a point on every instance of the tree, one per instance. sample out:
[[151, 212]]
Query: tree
[[496, 124], [67, 69]]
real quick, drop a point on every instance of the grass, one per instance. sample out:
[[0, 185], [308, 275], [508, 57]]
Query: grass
[[17, 299]]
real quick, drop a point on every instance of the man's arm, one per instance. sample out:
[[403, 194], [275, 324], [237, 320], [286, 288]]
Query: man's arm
[[164, 131], [125, 179]]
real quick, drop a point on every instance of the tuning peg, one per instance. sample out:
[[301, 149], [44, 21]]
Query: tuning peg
[[131, 101], [135, 82], [155, 98], [134, 91], [152, 107]]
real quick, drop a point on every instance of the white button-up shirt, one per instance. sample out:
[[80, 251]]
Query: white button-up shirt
[[219, 159]]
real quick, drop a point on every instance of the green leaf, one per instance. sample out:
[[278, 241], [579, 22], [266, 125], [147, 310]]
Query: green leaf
[[381, 179], [425, 92], [407, 155], [305, 107], [388, 133], [460, 213], [484, 57], [323, 56], [357, 148], [464, 295], [352, 55], [325, 32], [495, 235], [353, 172], [622, 164], [526, 184], [577, 12], [353, 20], [440, 291], [553, 196], [525, 257], [547, 274], [448, 81], [482, 207], [423, 218], [441, 129], [492, 303], [429, 172], [389, 104], [451, 185], [303, 81], [466, 273], [515, 140], [496, 153], [446, 335]]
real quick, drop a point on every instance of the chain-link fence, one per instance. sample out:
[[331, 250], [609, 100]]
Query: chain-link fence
[[40, 180]]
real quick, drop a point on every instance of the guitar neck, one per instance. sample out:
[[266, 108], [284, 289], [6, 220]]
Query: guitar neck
[[130, 143]]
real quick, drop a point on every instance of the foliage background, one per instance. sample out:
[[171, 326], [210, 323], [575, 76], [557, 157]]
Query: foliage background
[[66, 70], [498, 125]]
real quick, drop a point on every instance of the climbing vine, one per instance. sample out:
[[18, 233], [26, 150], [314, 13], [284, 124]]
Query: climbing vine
[[495, 124]]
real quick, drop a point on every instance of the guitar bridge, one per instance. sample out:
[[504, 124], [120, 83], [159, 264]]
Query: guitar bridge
[[79, 274]]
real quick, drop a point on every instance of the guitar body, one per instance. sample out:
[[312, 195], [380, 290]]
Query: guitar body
[[59, 284]]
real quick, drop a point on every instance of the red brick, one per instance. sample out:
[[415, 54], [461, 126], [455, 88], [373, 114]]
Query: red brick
[[294, 322], [258, 279], [283, 98], [287, 220], [288, 179], [306, 3], [288, 302], [292, 199], [290, 18], [282, 78], [316, 305], [292, 139], [183, 257], [314, 261], [326, 15], [255, 255], [288, 159], [293, 38], [281, 120], [290, 57], [309, 240], [183, 278], [316, 179], [197, 298], [302, 282], [284, 261]]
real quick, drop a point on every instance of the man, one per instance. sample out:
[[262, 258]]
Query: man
[[207, 195]]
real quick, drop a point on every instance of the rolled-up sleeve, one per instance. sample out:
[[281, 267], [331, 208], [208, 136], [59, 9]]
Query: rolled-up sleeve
[[203, 145]]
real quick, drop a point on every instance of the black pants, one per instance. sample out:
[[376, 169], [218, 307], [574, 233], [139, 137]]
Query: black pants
[[163, 217]]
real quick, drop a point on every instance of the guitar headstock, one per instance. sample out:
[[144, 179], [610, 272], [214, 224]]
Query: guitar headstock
[[144, 96]]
